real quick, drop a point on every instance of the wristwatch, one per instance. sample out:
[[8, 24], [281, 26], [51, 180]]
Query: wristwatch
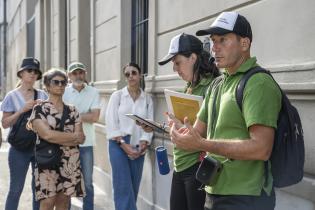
[[120, 142]]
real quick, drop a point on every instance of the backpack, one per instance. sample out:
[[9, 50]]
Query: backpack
[[19, 136], [288, 153]]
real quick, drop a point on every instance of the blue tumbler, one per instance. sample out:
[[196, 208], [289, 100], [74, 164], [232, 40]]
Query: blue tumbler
[[162, 160]]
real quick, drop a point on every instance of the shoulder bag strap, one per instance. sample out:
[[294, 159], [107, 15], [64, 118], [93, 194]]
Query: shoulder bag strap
[[65, 112]]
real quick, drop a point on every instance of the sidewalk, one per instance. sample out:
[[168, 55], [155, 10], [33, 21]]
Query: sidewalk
[[101, 201]]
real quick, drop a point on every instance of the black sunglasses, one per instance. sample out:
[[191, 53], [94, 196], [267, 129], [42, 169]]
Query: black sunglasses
[[32, 71], [129, 73], [56, 82]]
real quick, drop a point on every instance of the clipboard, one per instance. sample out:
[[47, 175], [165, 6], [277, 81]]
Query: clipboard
[[158, 127]]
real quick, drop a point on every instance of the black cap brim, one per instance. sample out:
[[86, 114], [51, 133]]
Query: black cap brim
[[213, 30], [166, 59], [30, 67]]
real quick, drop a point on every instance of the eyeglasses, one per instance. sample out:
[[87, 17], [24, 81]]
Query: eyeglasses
[[129, 73], [32, 71], [56, 82]]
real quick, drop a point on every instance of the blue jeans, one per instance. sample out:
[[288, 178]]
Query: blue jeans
[[126, 176], [87, 163], [18, 164]]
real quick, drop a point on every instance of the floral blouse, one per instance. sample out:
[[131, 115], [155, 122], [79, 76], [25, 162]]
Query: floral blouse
[[68, 177]]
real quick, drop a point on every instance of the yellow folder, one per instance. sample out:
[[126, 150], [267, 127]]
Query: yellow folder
[[183, 105]]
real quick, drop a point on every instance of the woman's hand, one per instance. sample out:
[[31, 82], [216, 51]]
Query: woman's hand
[[28, 105], [79, 137], [143, 147], [117, 138], [146, 128], [39, 101], [130, 151]]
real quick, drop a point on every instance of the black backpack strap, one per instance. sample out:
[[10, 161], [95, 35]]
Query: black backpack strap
[[65, 112], [35, 94], [239, 94], [239, 91]]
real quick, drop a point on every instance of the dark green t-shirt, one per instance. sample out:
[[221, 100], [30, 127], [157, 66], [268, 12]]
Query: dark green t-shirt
[[261, 105], [184, 159]]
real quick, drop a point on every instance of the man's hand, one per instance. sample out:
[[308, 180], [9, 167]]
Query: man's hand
[[186, 138], [172, 120]]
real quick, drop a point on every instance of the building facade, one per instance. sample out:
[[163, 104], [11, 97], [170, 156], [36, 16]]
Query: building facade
[[106, 34]]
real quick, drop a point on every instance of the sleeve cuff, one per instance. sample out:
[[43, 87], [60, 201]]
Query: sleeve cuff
[[112, 134], [147, 137]]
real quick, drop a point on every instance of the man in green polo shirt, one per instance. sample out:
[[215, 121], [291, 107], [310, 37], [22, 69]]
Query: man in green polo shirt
[[240, 140]]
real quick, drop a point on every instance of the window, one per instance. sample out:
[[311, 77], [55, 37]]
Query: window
[[139, 34]]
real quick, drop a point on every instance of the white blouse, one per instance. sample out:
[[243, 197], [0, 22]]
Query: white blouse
[[117, 124]]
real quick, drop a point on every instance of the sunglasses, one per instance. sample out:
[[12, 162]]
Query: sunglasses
[[32, 71], [56, 82], [129, 73]]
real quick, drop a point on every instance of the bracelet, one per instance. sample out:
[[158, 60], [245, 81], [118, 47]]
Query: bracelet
[[120, 142]]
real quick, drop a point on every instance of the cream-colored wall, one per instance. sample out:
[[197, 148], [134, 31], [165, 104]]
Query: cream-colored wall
[[73, 30], [16, 38], [107, 40], [58, 33]]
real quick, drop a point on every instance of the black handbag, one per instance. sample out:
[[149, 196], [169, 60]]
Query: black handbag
[[208, 171], [19, 136], [48, 155]]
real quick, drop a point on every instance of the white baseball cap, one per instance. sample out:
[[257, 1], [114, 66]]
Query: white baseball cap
[[229, 22]]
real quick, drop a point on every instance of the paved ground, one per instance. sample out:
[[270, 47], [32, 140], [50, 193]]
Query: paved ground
[[101, 200]]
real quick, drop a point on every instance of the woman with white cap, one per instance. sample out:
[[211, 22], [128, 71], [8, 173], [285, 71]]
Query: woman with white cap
[[194, 65], [17, 102]]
